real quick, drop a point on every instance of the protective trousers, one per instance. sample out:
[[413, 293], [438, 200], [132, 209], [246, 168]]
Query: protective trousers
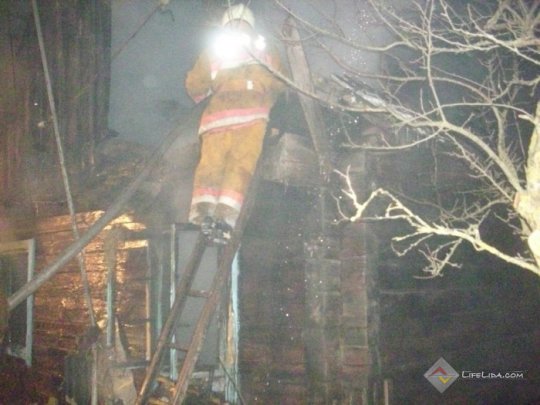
[[228, 160]]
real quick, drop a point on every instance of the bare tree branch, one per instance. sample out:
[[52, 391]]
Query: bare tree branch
[[480, 116]]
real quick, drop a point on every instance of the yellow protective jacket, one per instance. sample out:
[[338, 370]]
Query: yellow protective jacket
[[242, 91]]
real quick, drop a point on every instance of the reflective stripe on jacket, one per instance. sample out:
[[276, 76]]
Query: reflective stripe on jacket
[[242, 90]]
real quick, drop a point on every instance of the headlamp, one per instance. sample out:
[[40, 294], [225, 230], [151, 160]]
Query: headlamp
[[230, 44]]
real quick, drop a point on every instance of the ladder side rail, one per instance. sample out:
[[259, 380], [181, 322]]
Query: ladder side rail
[[173, 372], [220, 280], [181, 295], [203, 323]]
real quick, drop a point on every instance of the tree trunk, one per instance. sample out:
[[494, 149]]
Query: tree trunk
[[527, 203]]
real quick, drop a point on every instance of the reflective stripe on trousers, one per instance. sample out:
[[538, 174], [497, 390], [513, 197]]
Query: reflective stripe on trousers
[[228, 160]]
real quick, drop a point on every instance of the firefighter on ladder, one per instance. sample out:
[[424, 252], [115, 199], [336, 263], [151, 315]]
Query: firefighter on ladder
[[233, 73]]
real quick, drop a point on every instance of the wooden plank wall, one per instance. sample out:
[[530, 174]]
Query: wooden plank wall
[[272, 363], [359, 325], [77, 41], [60, 314], [304, 302]]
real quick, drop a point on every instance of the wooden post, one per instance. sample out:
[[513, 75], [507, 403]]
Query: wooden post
[[312, 111], [323, 299]]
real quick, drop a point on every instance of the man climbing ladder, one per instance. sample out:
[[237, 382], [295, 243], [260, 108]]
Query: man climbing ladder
[[242, 91]]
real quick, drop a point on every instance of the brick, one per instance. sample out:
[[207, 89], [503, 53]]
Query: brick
[[356, 336], [355, 307], [323, 275], [355, 376], [356, 356]]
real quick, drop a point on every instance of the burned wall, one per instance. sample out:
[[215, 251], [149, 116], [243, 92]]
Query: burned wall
[[478, 317], [76, 37], [272, 363], [61, 318], [305, 312]]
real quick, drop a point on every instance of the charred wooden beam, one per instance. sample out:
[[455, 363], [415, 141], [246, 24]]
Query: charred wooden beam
[[312, 111]]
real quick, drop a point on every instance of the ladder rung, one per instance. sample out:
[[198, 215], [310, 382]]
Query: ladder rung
[[155, 401], [140, 279], [132, 364], [199, 293], [167, 382], [137, 321], [179, 348]]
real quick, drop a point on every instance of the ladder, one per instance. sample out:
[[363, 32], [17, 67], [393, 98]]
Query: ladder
[[178, 388]]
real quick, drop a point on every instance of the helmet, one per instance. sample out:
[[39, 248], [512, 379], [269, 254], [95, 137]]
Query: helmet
[[238, 12]]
